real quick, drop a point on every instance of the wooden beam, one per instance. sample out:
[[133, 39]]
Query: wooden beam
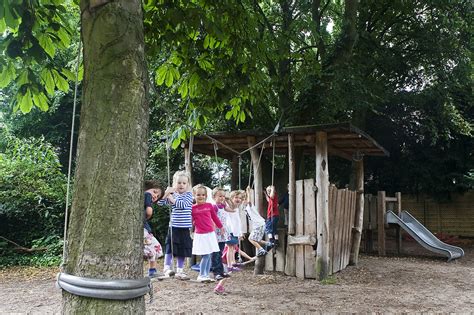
[[398, 210], [359, 212], [322, 200], [301, 240], [381, 209]]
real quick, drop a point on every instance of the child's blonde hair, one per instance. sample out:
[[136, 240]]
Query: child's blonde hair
[[179, 174], [199, 186], [216, 190], [235, 193]]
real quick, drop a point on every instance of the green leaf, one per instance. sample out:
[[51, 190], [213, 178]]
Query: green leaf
[[161, 74], [7, 75], [176, 143], [47, 44], [61, 83], [10, 17], [175, 73], [235, 101], [41, 101], [183, 89], [68, 74], [212, 42], [23, 78], [242, 116], [194, 35], [25, 102], [3, 26], [169, 78], [176, 60], [64, 37], [228, 115], [206, 41], [48, 81]]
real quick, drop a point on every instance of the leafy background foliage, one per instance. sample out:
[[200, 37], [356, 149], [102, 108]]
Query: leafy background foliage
[[32, 190], [399, 70]]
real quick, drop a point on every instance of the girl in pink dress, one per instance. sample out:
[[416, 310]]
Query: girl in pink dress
[[205, 241]]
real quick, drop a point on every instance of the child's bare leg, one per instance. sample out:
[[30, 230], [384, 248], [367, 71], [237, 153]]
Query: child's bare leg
[[230, 255], [255, 243], [245, 255]]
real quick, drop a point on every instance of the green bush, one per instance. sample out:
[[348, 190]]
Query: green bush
[[32, 192]]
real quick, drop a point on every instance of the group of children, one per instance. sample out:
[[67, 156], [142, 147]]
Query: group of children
[[217, 228]]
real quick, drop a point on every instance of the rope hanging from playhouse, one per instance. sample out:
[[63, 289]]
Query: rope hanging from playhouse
[[110, 289]]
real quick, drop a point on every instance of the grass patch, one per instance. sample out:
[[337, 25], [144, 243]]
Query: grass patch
[[329, 280]]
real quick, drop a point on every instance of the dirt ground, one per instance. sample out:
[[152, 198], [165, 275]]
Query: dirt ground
[[421, 283]]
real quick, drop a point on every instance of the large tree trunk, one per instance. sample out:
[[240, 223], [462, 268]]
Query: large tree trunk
[[106, 222]]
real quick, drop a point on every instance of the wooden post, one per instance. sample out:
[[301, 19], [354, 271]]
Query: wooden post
[[398, 210], [291, 184], [258, 188], [381, 209], [188, 166], [359, 212], [234, 179], [322, 200]]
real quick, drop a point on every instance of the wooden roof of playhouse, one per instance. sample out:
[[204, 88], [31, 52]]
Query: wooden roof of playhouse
[[344, 140]]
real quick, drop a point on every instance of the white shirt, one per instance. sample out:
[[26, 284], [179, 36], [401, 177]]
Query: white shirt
[[254, 216], [234, 222]]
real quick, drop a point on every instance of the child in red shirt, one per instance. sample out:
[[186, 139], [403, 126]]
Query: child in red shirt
[[205, 240], [272, 214]]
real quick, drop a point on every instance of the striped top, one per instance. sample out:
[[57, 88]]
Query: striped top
[[181, 210]]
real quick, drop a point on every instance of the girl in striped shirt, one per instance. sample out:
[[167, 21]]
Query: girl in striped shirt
[[178, 241]]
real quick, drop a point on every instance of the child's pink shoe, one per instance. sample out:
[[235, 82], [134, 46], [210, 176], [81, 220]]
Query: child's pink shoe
[[219, 289]]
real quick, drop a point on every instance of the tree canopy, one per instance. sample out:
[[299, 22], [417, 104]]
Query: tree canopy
[[401, 70]]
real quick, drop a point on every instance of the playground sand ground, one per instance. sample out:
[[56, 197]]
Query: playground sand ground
[[408, 284]]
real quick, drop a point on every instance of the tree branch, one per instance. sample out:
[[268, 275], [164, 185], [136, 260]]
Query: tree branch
[[24, 249]]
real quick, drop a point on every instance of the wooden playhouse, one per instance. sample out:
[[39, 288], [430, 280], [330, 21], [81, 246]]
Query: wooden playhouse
[[324, 222]]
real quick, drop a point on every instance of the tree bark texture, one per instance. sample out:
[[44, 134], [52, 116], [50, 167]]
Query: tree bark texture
[[105, 233]]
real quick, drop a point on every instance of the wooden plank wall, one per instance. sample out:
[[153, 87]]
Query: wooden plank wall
[[300, 259], [299, 229], [309, 227], [342, 211]]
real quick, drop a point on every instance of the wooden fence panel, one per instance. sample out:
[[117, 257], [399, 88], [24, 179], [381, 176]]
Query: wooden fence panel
[[352, 203], [309, 227], [338, 231], [332, 224], [299, 218], [345, 225]]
